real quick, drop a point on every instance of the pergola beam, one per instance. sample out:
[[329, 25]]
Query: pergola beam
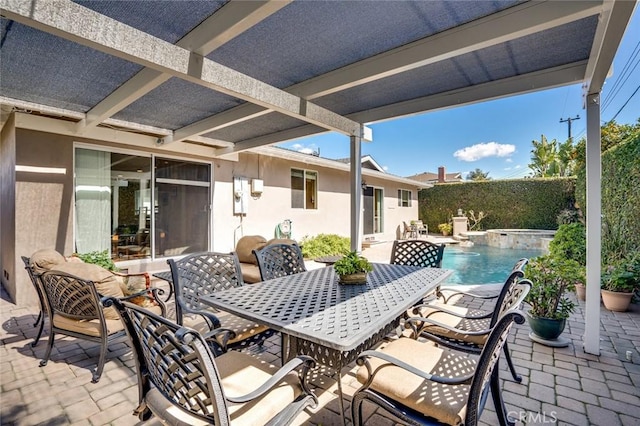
[[230, 21], [613, 21], [506, 25], [525, 83], [115, 38]]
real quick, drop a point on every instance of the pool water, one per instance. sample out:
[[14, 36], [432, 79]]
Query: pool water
[[482, 264]]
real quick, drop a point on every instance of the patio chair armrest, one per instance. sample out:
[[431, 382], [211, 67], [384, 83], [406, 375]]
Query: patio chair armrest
[[211, 319], [306, 362], [220, 337], [363, 360], [418, 325], [154, 296], [441, 309], [452, 292]]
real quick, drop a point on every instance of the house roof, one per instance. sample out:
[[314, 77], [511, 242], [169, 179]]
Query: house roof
[[433, 177], [338, 164], [223, 77]]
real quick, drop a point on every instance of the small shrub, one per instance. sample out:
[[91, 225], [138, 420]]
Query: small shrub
[[551, 279], [325, 245], [570, 242], [100, 258]]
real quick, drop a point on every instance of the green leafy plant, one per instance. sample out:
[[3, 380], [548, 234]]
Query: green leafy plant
[[325, 245], [570, 242], [623, 276], [352, 263], [551, 279], [100, 258]]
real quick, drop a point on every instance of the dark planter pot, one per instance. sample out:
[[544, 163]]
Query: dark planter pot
[[546, 328]]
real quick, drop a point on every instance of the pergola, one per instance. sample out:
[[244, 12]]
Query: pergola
[[218, 77]]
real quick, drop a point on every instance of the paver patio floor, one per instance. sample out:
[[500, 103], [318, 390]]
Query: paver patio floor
[[560, 385]]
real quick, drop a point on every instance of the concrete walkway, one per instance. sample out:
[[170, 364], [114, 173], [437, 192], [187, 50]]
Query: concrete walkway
[[560, 386]]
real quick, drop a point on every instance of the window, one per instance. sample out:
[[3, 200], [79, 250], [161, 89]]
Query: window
[[304, 189], [404, 198], [122, 207]]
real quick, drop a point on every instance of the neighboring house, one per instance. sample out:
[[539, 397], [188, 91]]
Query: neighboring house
[[145, 204], [440, 177]]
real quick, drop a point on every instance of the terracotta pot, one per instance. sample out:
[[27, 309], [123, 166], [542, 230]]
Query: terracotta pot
[[616, 301], [581, 292]]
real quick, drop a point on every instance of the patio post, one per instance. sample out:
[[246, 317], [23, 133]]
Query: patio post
[[594, 222], [356, 193]]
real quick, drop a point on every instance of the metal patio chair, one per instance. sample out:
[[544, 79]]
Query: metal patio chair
[[467, 329], [201, 274], [181, 382], [35, 280], [417, 253], [74, 309], [279, 260], [422, 383]]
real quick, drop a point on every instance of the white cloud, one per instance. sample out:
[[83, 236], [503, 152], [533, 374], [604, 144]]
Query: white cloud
[[311, 149], [508, 160], [385, 168], [484, 150]]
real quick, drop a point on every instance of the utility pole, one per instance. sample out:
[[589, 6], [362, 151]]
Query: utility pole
[[568, 121]]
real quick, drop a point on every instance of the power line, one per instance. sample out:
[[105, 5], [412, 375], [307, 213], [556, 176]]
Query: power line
[[625, 104], [622, 79]]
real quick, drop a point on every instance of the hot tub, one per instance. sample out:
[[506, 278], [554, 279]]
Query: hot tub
[[520, 238]]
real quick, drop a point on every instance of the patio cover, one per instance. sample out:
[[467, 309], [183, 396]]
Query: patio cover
[[217, 78]]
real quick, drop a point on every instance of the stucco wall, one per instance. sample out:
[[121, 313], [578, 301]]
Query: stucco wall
[[43, 207]]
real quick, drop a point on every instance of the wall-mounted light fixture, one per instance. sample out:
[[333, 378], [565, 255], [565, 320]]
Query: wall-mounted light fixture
[[363, 184]]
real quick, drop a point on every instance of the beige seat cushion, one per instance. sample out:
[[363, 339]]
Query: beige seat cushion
[[242, 327], [446, 403], [240, 374], [43, 260], [106, 283], [250, 273], [91, 328], [246, 245], [456, 322]]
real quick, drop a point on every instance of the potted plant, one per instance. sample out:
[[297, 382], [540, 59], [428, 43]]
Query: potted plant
[[551, 278], [352, 268], [619, 283], [445, 228]]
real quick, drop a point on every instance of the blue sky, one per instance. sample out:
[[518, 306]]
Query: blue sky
[[494, 136]]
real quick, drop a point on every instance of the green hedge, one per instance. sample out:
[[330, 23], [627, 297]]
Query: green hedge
[[620, 200], [517, 203]]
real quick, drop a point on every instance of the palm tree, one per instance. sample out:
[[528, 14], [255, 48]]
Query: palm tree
[[478, 174], [545, 158]]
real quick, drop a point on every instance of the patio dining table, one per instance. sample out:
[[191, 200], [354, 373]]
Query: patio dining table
[[329, 321]]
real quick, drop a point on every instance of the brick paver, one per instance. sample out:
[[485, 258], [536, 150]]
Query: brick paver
[[560, 385]]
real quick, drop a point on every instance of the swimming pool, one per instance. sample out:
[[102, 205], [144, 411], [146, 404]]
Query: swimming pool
[[482, 264]]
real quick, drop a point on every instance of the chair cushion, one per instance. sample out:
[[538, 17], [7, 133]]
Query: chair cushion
[[240, 374], [246, 245], [105, 282], [250, 273], [242, 327], [446, 403], [91, 328], [459, 323], [43, 260]]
